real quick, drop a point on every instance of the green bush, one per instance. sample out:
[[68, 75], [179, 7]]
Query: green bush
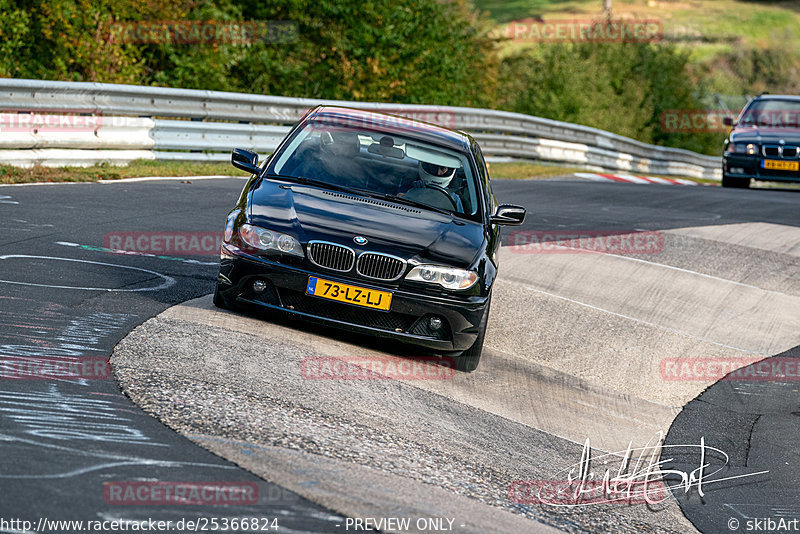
[[624, 88], [63, 40], [754, 70]]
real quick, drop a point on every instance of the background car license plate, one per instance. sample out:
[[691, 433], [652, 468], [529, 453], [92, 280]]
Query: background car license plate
[[778, 165], [369, 298]]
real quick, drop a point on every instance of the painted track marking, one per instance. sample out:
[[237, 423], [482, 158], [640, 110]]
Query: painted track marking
[[168, 280]]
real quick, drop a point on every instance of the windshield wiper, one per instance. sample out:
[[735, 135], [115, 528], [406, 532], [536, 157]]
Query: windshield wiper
[[311, 181], [401, 200], [353, 191]]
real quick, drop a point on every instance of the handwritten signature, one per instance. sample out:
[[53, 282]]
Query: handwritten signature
[[638, 478]]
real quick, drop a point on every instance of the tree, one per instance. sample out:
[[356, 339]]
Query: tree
[[418, 51]]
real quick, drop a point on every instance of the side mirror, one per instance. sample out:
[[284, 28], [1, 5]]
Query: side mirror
[[727, 121], [245, 160], [508, 215]]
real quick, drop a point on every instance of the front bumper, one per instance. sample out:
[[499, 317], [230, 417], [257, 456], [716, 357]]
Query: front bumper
[[744, 166], [407, 320]]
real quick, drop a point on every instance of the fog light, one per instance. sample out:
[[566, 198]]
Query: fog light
[[435, 323], [737, 170], [259, 286]]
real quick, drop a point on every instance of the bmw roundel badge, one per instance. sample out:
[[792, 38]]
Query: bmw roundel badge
[[360, 240]]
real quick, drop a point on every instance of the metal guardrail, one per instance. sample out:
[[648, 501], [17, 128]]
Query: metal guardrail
[[216, 136], [259, 122]]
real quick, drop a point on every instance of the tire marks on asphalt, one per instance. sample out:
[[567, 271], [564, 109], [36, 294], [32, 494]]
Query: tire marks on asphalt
[[63, 435]]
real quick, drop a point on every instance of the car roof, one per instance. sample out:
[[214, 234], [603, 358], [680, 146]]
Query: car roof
[[385, 122], [795, 98]]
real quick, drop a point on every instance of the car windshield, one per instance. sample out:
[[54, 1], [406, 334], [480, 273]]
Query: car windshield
[[381, 164], [772, 114]]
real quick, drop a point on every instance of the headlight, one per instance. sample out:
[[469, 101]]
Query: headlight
[[742, 148], [263, 239], [447, 277]]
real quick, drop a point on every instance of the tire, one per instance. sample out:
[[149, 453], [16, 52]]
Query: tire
[[219, 300], [735, 181], [468, 360]]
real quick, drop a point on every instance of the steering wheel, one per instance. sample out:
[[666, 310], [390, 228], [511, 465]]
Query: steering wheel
[[443, 191]]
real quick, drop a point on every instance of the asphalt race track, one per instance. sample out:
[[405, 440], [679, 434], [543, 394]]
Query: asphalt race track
[[62, 440], [581, 346]]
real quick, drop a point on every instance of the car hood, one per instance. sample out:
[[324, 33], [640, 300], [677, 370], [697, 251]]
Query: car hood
[[757, 134], [310, 213]]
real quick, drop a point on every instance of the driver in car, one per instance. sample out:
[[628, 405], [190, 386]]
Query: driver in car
[[434, 181]]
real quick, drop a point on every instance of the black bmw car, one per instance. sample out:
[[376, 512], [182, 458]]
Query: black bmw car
[[372, 223], [764, 143]]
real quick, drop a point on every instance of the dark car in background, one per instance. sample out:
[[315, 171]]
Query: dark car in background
[[371, 223], [764, 143]]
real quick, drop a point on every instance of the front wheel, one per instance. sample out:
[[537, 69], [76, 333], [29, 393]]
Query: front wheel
[[735, 181], [469, 359]]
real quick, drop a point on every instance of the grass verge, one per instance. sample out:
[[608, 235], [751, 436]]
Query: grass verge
[[513, 170], [136, 169], [524, 170]]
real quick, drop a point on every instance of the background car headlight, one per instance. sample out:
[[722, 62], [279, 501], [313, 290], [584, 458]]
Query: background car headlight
[[742, 148], [264, 239], [447, 277]]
